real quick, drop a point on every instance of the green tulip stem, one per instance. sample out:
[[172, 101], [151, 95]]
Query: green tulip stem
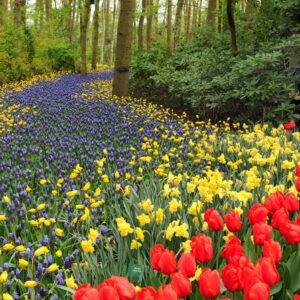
[[218, 254]]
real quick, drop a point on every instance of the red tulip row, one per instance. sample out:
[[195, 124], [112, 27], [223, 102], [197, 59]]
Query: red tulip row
[[239, 274]]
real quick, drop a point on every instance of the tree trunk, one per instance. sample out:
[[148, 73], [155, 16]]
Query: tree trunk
[[123, 49], [102, 34], [178, 22], [169, 25], [250, 10], [194, 20], [219, 16], [95, 35], [3, 11], [114, 31], [211, 13], [187, 19], [200, 14], [48, 7], [231, 24], [141, 26], [72, 23], [83, 35], [156, 13], [19, 13], [149, 23], [107, 12]]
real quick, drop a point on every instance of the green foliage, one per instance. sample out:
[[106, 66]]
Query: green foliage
[[257, 85], [62, 58]]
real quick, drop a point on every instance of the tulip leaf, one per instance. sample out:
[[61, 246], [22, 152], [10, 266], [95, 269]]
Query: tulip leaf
[[276, 288], [61, 287], [293, 265]]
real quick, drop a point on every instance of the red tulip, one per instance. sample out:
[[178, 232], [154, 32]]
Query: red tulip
[[156, 252], [281, 215], [292, 124], [146, 293], [125, 289], [287, 126], [86, 292], [272, 249], [166, 292], [209, 283], [242, 261], [214, 220], [291, 202], [257, 214], [297, 184], [267, 270], [298, 220], [233, 221], [274, 202], [187, 264], [232, 248], [107, 293], [259, 291], [261, 233], [291, 232], [232, 278], [167, 262], [202, 248], [298, 171], [181, 284], [296, 297]]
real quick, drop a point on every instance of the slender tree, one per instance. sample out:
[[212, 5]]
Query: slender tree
[[141, 26], [149, 23], [250, 9], [231, 24], [102, 44], [123, 49], [200, 14], [178, 22], [194, 18], [211, 12], [72, 22], [19, 13], [95, 34], [219, 16], [48, 7], [107, 15], [169, 25], [187, 19], [83, 35], [3, 11], [114, 30]]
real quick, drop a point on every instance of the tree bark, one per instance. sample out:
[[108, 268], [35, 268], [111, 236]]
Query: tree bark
[[83, 35], [187, 19], [107, 12], [48, 7], [231, 24], [194, 19], [211, 13], [169, 25], [149, 23], [102, 34], [19, 13], [156, 12], [95, 35], [72, 23], [141, 27], [250, 10], [219, 16], [178, 23], [114, 31], [200, 14], [3, 11], [123, 49]]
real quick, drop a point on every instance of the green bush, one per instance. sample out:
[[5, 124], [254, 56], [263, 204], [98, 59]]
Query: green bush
[[62, 58]]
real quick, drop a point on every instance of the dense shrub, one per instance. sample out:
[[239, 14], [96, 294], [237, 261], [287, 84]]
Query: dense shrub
[[62, 58]]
